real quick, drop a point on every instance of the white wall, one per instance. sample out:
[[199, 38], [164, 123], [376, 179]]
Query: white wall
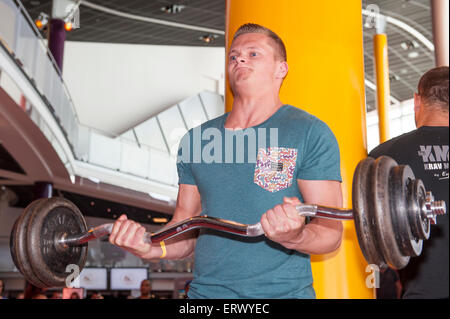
[[401, 120], [117, 86]]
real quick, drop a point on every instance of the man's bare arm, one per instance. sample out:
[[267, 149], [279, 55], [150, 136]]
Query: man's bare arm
[[128, 234], [188, 205], [321, 235], [284, 225]]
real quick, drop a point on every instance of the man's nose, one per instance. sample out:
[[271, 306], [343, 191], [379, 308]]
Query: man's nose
[[241, 59]]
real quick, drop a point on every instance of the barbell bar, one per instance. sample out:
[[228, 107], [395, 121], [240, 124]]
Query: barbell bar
[[205, 222], [392, 213]]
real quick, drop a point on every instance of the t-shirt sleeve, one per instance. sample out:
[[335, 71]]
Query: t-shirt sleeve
[[320, 159], [184, 158]]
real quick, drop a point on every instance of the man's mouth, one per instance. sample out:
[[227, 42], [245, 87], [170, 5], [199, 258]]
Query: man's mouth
[[241, 67]]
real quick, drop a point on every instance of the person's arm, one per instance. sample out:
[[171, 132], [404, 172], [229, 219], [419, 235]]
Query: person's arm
[[128, 234], [283, 224], [398, 285]]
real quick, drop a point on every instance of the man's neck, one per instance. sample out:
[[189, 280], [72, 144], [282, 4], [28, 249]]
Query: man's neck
[[250, 111], [440, 119]]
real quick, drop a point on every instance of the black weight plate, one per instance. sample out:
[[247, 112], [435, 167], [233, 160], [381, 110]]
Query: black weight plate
[[363, 223], [400, 178], [18, 245], [13, 245], [380, 210], [51, 219], [420, 224]]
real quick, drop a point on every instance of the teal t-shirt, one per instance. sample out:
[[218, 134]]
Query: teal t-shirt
[[241, 174]]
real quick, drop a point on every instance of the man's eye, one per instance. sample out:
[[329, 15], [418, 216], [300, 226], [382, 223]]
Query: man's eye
[[253, 54], [233, 58]]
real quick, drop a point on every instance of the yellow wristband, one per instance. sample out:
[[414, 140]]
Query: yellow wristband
[[164, 250]]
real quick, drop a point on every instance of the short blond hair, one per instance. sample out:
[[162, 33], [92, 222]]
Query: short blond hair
[[280, 48]]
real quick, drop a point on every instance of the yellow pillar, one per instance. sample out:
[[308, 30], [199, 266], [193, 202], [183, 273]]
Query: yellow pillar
[[326, 78], [383, 87]]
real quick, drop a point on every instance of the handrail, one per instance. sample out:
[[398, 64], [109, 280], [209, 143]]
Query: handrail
[[26, 17], [28, 62], [29, 20]]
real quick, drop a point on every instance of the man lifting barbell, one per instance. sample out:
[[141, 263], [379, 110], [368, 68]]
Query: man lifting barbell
[[51, 234], [302, 165]]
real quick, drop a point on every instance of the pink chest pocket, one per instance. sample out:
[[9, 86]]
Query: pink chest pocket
[[275, 168]]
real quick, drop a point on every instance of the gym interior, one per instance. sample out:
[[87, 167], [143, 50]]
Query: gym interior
[[96, 96]]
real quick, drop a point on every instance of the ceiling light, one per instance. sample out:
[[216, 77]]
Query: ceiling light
[[394, 77], [409, 45], [413, 54], [173, 8], [208, 38], [160, 220], [68, 26], [41, 21]]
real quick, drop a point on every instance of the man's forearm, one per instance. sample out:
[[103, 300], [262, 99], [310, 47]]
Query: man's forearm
[[175, 248], [180, 246], [316, 239]]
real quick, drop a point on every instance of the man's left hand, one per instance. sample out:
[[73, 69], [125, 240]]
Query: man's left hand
[[283, 224]]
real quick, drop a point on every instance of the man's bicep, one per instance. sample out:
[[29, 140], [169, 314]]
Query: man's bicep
[[188, 203], [325, 193], [321, 192]]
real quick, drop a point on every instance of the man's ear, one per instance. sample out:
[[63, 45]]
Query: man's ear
[[283, 69], [417, 102]]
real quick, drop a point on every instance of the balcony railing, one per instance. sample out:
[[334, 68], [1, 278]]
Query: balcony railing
[[146, 151]]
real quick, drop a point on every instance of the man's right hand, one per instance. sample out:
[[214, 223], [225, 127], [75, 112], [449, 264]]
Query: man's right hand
[[129, 235]]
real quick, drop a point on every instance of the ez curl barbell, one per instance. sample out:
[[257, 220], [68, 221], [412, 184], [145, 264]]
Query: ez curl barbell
[[392, 212]]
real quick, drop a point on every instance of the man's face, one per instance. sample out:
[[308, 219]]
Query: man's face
[[145, 287], [252, 63]]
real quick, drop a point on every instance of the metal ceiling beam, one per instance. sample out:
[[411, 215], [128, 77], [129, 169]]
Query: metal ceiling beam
[[398, 55], [421, 48], [408, 63], [420, 5], [404, 26], [391, 72], [24, 179], [149, 20]]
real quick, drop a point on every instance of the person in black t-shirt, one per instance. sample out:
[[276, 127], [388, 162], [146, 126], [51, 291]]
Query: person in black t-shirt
[[426, 151], [390, 286]]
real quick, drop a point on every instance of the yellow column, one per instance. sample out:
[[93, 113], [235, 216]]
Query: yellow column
[[326, 78], [383, 87]]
